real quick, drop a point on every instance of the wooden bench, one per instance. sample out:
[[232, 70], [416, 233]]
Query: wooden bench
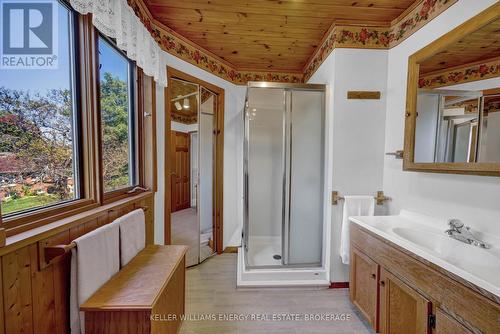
[[145, 296]]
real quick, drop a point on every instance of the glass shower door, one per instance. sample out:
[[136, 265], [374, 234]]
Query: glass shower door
[[264, 176], [306, 177]]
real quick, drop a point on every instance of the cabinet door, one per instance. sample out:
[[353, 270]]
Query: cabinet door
[[447, 325], [402, 309], [363, 285]]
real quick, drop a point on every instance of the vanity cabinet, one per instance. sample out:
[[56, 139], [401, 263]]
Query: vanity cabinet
[[402, 309], [400, 292], [363, 288], [447, 325]]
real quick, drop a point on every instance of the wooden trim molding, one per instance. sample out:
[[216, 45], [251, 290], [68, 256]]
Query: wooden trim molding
[[462, 74], [338, 36], [478, 168], [154, 140]]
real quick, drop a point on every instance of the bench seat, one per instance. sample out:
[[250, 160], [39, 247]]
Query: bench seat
[[145, 296]]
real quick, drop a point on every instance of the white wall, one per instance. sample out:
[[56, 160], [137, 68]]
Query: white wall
[[474, 199], [358, 131], [233, 158]]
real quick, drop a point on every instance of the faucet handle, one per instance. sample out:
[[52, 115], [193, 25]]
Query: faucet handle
[[455, 224]]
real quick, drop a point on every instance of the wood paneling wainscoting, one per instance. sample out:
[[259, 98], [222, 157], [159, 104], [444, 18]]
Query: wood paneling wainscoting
[[34, 295]]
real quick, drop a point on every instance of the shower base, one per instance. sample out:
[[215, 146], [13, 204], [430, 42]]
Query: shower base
[[277, 277], [262, 251]]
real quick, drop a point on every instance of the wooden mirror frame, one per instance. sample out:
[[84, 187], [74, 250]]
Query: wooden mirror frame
[[478, 168]]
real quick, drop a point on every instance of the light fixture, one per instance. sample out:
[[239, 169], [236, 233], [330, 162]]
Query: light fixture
[[178, 106], [186, 103]]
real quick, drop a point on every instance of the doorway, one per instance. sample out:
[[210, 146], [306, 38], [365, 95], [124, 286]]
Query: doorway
[[193, 165]]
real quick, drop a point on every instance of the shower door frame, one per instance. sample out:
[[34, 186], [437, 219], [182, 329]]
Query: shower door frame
[[287, 144]]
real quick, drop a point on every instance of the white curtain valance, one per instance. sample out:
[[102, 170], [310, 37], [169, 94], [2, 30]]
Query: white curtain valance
[[116, 19]]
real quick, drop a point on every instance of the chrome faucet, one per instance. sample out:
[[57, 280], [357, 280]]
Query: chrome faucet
[[462, 233]]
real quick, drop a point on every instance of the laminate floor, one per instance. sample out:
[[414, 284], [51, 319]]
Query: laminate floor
[[211, 293]]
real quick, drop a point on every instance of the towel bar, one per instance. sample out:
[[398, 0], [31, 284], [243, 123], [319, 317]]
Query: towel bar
[[380, 198], [51, 252]]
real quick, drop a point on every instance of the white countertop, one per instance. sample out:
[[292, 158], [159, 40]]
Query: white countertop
[[425, 237]]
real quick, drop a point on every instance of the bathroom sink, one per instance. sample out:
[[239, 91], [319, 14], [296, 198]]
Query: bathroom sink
[[431, 241], [476, 260]]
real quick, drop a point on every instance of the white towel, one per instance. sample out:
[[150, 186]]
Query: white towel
[[132, 235], [94, 261], [353, 206]]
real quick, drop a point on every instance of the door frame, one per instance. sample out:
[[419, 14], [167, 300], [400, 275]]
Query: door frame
[[219, 156]]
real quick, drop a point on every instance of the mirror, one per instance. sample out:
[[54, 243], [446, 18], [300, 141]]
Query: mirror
[[453, 100], [193, 121]]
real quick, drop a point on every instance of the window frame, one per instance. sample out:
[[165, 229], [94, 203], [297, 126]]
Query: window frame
[[23, 220], [76, 120], [91, 188], [135, 124]]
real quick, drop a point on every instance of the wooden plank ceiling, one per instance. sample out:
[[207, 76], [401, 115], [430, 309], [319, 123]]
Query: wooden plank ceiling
[[267, 35], [481, 45]]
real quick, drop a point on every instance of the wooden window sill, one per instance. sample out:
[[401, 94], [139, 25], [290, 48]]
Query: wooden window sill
[[25, 238]]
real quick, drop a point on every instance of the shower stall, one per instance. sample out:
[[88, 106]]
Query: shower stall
[[286, 228]]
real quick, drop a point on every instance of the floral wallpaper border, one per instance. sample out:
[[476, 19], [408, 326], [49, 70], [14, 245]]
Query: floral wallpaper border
[[376, 37], [338, 37], [469, 73]]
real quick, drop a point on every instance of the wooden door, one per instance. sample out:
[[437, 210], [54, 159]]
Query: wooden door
[[447, 325], [402, 309], [180, 184], [363, 289]]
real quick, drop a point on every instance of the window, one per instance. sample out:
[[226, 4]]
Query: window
[[39, 129], [117, 117]]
